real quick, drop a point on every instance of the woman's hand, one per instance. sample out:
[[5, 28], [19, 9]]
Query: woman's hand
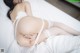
[[28, 8]]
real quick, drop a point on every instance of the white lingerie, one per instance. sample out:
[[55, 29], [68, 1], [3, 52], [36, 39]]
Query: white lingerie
[[58, 44], [20, 15]]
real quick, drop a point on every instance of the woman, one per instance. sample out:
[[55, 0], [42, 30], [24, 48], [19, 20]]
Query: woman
[[30, 30], [19, 5]]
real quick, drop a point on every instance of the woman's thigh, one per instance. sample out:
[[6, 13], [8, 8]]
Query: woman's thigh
[[58, 31]]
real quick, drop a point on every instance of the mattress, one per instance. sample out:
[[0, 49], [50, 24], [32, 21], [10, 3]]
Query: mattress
[[41, 9]]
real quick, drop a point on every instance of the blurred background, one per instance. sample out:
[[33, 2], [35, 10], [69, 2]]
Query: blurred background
[[72, 9]]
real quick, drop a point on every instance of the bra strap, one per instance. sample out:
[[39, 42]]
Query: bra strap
[[38, 35]]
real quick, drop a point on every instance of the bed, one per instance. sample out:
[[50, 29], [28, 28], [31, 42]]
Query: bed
[[41, 9]]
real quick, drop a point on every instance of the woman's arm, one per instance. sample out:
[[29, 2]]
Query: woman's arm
[[65, 28], [24, 6], [28, 8]]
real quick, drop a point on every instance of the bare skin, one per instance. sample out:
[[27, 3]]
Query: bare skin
[[27, 30], [29, 27], [21, 7]]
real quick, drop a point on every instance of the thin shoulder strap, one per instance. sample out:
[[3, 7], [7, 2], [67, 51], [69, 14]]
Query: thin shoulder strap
[[38, 35], [40, 32]]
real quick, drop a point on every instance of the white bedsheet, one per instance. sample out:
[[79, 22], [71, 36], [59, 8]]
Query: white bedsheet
[[42, 9], [45, 10]]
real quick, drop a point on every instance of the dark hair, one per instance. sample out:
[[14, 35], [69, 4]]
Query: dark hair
[[11, 5]]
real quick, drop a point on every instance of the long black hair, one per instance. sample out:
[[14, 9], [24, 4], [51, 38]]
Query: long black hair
[[11, 5]]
